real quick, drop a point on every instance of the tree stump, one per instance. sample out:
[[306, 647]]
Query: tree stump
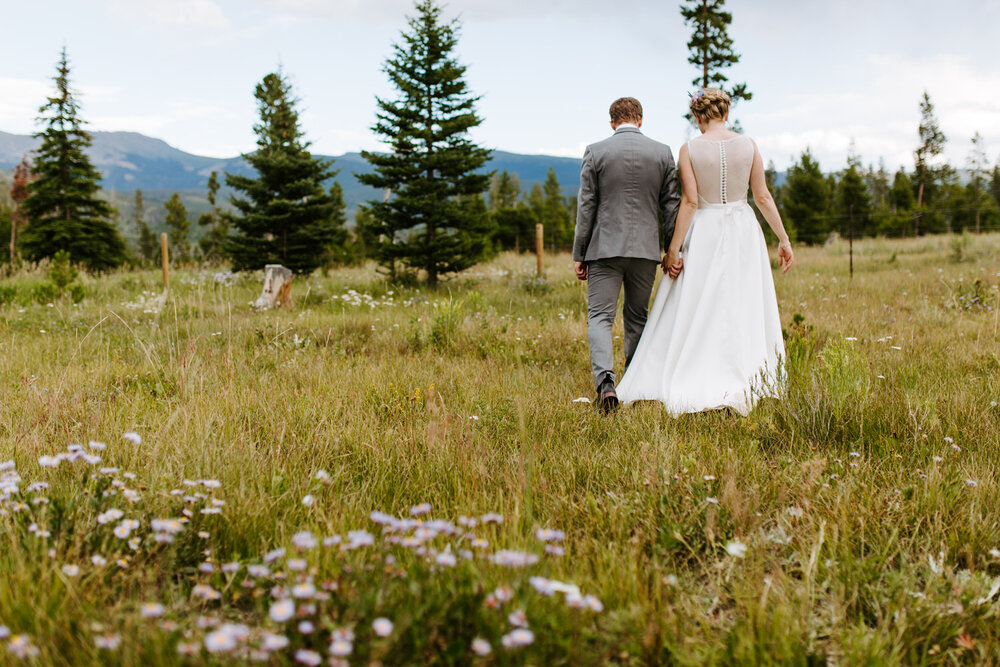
[[277, 290]]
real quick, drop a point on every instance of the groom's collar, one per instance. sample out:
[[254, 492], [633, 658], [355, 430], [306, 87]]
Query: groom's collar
[[627, 127]]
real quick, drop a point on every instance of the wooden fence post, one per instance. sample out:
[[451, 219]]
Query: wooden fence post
[[539, 248], [166, 261]]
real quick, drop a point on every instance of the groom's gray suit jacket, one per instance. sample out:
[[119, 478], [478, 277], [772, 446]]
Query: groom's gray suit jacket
[[629, 196]]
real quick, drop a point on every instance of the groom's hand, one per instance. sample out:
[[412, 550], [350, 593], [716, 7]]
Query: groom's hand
[[580, 268]]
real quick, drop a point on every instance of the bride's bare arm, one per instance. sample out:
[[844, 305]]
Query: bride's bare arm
[[689, 204], [765, 202]]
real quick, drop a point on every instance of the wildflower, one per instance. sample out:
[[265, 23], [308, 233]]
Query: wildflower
[[297, 564], [446, 559], [972, 482], [122, 531], [307, 657], [306, 627], [555, 550], [187, 648], [517, 618], [382, 627], [258, 571], [359, 538], [481, 647], [548, 535], [211, 483], [281, 611], [709, 478], [203, 534], [151, 610], [230, 568], [207, 568], [211, 510], [736, 549], [219, 641], [795, 512], [21, 646], [97, 446], [422, 508], [710, 499], [517, 638], [133, 437], [503, 593], [492, 517], [98, 560], [514, 558], [274, 555], [4, 632], [71, 570], [172, 526], [48, 461], [273, 642], [304, 590], [109, 516], [937, 459], [593, 603], [308, 500], [304, 540], [107, 642], [341, 647], [322, 475]]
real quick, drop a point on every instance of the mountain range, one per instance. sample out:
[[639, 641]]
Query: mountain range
[[129, 161]]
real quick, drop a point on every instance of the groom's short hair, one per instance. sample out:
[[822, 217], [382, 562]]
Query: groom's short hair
[[625, 110]]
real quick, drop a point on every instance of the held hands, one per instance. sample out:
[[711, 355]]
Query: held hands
[[672, 263], [580, 268], [785, 256]]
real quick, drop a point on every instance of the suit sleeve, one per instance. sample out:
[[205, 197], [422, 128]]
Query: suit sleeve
[[586, 212], [670, 201]]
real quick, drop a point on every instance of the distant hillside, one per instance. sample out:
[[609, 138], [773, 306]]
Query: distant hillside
[[131, 161]]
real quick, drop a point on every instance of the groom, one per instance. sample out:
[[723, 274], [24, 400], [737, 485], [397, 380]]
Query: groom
[[629, 196]]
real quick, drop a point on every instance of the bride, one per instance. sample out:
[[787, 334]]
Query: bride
[[713, 337]]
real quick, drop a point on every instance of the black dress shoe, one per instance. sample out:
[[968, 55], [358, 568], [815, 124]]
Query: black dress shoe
[[607, 399]]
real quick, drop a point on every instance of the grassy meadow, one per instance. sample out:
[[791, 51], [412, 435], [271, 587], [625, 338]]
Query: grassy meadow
[[853, 522]]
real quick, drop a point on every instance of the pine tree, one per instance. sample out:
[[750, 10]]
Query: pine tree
[[433, 161], [283, 214], [147, 240], [177, 223], [976, 191], [931, 145], [711, 48], [215, 236], [853, 201], [554, 216], [63, 210], [18, 195], [805, 199], [338, 250]]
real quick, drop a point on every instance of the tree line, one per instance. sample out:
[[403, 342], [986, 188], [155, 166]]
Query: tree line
[[440, 212]]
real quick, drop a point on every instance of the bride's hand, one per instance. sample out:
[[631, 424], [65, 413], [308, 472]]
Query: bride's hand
[[672, 263], [785, 256]]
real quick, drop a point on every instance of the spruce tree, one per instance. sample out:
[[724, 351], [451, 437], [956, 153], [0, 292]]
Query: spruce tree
[[177, 223], [553, 213], [214, 238], [805, 200], [432, 164], [931, 145], [338, 250], [976, 190], [710, 47], [995, 184], [283, 214], [147, 240], [853, 200], [64, 210]]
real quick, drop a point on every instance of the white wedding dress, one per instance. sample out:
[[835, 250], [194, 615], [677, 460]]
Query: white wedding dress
[[713, 337]]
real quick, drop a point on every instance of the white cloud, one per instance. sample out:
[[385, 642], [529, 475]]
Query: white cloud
[[20, 100], [880, 113], [198, 14]]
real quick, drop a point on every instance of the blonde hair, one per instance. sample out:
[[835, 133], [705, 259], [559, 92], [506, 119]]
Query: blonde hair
[[710, 104]]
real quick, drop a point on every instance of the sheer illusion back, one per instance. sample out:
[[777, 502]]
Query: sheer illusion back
[[722, 168]]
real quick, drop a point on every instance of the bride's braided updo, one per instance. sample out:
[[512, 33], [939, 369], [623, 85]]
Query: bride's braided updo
[[710, 104]]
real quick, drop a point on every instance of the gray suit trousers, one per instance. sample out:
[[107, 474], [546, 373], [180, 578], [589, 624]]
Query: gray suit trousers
[[605, 278]]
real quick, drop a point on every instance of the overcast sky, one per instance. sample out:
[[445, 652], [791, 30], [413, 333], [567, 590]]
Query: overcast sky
[[823, 73]]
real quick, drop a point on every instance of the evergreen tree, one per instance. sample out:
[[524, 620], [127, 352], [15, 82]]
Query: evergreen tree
[[554, 217], [284, 213], [805, 199], [338, 249], [711, 48], [177, 223], [18, 195], [976, 190], [931, 145], [995, 184], [505, 189], [63, 210], [853, 200], [433, 161], [213, 240], [147, 240]]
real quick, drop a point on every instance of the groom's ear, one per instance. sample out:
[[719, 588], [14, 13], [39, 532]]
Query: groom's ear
[[639, 123]]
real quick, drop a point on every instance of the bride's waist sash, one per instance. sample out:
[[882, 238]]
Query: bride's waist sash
[[728, 206]]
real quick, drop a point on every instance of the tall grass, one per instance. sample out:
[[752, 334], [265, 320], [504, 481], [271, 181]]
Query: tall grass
[[854, 521]]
